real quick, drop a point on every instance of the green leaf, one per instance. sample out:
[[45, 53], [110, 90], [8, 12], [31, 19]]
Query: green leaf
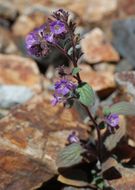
[[70, 155], [123, 108], [106, 111], [75, 71], [86, 94]]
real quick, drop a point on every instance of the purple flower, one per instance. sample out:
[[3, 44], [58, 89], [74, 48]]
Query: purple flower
[[64, 86], [35, 43], [73, 138], [56, 99], [112, 120], [30, 40], [57, 27], [50, 38]]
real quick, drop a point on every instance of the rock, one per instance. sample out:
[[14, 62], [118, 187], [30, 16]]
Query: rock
[[95, 10], [127, 7], [3, 113], [16, 70], [11, 95], [23, 26], [126, 181], [38, 131], [126, 80], [21, 6], [61, 2], [123, 65], [131, 127], [31, 18], [96, 47], [21, 172], [7, 10], [7, 44], [102, 82], [105, 67], [124, 38]]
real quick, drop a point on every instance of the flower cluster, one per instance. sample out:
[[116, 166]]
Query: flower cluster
[[63, 89], [112, 121], [35, 43], [39, 41]]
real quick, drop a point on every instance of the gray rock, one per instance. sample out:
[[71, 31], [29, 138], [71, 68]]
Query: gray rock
[[126, 80], [124, 38], [8, 10], [11, 95], [123, 65]]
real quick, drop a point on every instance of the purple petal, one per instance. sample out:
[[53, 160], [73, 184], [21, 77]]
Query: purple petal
[[49, 38], [57, 27], [56, 99], [112, 120], [63, 90], [30, 40], [73, 138]]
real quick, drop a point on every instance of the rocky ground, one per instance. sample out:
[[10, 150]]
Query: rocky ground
[[32, 131]]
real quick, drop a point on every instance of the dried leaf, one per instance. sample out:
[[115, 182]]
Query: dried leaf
[[76, 183]]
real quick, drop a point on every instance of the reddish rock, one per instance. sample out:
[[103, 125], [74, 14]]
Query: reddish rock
[[21, 172], [131, 127], [96, 47], [17, 70], [38, 131], [126, 7], [100, 81], [126, 181]]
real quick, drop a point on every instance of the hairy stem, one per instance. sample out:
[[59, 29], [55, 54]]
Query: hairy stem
[[99, 143], [74, 54], [62, 51]]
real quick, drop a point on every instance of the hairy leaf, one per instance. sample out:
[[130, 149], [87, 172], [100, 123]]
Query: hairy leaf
[[70, 155], [86, 94], [123, 108], [106, 111]]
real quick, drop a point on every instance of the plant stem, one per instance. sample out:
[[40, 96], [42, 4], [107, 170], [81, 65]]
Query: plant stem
[[62, 51], [74, 54], [86, 108], [98, 132]]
